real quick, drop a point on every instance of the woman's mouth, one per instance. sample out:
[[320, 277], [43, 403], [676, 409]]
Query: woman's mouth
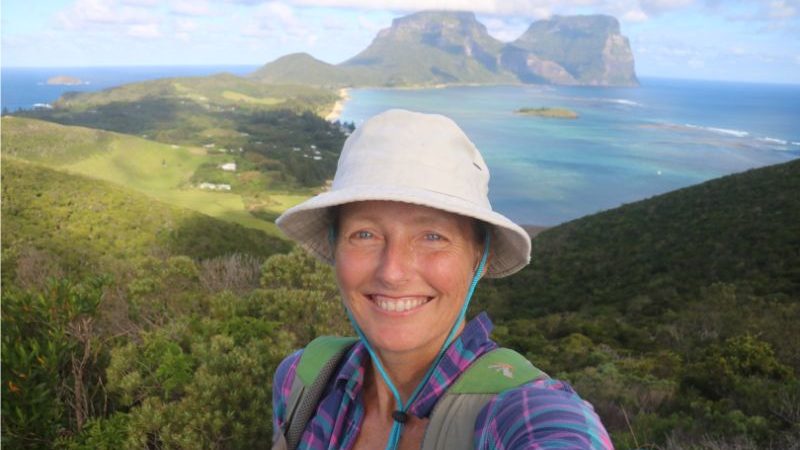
[[398, 304]]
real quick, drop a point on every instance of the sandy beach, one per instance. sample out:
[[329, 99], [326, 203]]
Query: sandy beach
[[338, 106]]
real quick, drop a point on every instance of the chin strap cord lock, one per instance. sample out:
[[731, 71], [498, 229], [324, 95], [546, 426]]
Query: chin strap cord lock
[[400, 416]]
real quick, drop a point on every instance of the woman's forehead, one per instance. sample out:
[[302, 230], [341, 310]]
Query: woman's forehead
[[380, 210]]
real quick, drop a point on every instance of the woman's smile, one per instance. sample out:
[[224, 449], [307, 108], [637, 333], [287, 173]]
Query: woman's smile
[[399, 304]]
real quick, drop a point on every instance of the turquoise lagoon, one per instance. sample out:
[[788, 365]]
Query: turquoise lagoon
[[627, 144]]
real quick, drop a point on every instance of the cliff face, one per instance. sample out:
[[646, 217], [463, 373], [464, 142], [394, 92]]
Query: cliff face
[[590, 50], [441, 47], [433, 47]]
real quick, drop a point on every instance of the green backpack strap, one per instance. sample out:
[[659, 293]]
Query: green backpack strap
[[496, 371], [452, 421], [317, 364], [318, 352]]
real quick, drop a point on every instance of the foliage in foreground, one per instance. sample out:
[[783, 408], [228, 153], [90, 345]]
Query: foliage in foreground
[[171, 351], [189, 371], [676, 316]]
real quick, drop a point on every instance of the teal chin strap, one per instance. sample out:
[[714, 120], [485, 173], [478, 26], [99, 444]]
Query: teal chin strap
[[400, 416]]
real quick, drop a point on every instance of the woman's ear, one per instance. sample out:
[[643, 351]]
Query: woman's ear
[[485, 266]]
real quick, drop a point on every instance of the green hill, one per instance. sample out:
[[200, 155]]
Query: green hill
[[304, 67], [48, 143], [740, 229], [168, 173], [676, 316], [279, 129], [86, 223], [212, 92]]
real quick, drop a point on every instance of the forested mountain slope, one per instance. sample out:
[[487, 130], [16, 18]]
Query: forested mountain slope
[[676, 315], [741, 229], [85, 224]]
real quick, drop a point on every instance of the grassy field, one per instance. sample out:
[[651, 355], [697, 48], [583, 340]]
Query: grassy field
[[158, 170]]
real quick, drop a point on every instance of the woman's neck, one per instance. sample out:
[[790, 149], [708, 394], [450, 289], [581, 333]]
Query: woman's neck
[[406, 370]]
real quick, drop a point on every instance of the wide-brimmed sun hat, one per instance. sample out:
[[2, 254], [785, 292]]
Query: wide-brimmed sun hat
[[410, 157]]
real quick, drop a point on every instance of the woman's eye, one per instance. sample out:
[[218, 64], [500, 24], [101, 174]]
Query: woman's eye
[[363, 235]]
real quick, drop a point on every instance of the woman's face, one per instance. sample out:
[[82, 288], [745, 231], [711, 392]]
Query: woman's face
[[404, 271]]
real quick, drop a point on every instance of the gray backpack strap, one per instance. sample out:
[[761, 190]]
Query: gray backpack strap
[[317, 365], [452, 422]]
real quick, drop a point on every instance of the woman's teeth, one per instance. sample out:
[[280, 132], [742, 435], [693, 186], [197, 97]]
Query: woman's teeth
[[398, 305]]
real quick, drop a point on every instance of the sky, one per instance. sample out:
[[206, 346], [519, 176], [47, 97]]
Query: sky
[[735, 40]]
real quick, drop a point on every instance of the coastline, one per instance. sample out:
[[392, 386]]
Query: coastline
[[336, 112]]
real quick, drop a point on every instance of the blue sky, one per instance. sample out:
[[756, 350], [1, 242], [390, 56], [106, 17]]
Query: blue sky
[[736, 40]]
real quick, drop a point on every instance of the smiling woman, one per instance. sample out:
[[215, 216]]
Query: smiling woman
[[404, 271], [410, 230]]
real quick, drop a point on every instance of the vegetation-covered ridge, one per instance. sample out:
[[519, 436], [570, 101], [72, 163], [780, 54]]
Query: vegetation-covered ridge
[[676, 317], [677, 314], [184, 176], [278, 129], [83, 222], [557, 113], [212, 92]]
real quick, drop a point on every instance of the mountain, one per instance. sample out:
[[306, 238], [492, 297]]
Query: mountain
[[302, 66], [441, 47], [669, 313], [586, 50], [433, 48], [658, 254]]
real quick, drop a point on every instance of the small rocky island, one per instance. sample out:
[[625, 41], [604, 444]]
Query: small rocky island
[[556, 113], [64, 80]]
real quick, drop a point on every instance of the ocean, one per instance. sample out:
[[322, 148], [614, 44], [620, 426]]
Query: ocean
[[626, 145], [24, 87]]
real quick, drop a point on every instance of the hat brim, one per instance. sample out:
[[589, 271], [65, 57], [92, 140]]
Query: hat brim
[[308, 223]]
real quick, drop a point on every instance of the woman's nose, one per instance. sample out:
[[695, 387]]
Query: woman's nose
[[396, 263]]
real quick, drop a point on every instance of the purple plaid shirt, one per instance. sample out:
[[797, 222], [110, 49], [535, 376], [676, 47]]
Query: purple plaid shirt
[[542, 414]]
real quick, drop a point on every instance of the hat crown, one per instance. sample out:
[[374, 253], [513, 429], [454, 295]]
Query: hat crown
[[405, 149]]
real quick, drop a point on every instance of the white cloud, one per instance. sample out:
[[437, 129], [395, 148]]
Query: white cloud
[[275, 19], [334, 23], [280, 11], [661, 6], [147, 31], [191, 7], [696, 63], [634, 15], [503, 29], [532, 9], [89, 13], [186, 25], [782, 9], [369, 25], [140, 2]]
